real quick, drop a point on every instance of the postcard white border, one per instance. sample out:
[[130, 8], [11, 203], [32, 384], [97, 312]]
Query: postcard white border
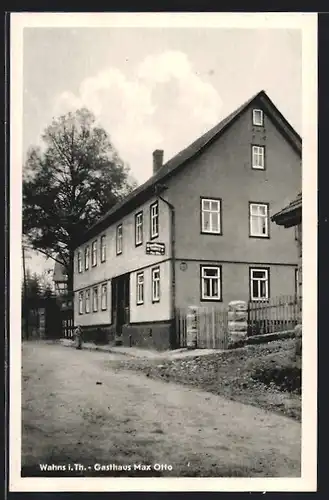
[[307, 23]]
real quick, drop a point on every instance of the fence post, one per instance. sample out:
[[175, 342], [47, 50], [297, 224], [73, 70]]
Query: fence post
[[192, 327], [237, 320]]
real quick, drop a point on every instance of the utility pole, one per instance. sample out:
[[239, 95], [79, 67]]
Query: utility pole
[[25, 305]]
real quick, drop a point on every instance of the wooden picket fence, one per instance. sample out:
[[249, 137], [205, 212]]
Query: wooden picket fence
[[274, 315], [212, 328]]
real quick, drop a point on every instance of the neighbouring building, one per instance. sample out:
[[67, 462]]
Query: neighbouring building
[[291, 217], [198, 232], [60, 277], [64, 298]]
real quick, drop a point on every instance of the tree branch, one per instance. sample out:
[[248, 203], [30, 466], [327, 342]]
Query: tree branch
[[45, 253]]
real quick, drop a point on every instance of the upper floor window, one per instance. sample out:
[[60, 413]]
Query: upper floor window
[[138, 229], [140, 288], [87, 255], [156, 284], [210, 216], [87, 301], [259, 284], [258, 216], [80, 297], [258, 157], [61, 288], [257, 117], [95, 299], [94, 253], [79, 262], [104, 296], [119, 237], [211, 283], [103, 248], [154, 220]]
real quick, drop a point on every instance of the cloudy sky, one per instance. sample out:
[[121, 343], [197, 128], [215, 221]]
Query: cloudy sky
[[156, 87]]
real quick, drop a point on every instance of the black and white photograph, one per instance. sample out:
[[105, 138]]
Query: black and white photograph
[[162, 241]]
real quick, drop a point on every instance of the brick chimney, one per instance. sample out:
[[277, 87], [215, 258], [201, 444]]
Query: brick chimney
[[157, 160]]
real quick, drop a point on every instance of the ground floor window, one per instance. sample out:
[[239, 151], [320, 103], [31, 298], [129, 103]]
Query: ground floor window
[[80, 302], [259, 284], [87, 301], [211, 283], [156, 284], [140, 288], [95, 299], [104, 296]]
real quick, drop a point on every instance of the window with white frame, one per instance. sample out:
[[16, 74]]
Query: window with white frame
[[258, 216], [138, 229], [95, 298], [80, 298], [87, 301], [211, 283], [140, 288], [259, 289], [87, 255], [154, 220], [257, 117], [103, 248], [94, 253], [156, 284], [79, 262], [210, 216], [119, 239], [104, 296], [258, 157]]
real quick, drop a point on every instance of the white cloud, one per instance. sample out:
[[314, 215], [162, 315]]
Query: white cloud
[[165, 104]]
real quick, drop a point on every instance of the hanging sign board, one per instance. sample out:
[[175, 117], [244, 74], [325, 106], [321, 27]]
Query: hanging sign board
[[155, 248]]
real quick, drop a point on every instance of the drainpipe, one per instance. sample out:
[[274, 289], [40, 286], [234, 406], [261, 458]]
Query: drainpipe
[[173, 253]]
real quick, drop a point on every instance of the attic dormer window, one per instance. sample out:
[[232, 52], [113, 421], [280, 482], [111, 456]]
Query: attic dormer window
[[257, 117]]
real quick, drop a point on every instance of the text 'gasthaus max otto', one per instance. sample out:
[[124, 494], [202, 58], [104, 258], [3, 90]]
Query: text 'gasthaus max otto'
[[105, 467], [133, 467]]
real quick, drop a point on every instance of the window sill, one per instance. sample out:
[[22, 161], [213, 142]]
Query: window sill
[[262, 237], [211, 233], [211, 299]]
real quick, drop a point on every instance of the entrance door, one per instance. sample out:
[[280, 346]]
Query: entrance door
[[120, 302]]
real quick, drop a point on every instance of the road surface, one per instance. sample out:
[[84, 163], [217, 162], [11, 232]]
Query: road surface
[[81, 417]]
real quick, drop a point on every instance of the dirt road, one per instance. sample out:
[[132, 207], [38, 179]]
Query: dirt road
[[82, 418]]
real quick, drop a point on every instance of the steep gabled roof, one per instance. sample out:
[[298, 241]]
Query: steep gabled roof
[[146, 190], [291, 214]]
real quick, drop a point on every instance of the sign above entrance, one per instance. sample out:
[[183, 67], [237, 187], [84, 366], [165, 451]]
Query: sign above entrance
[[155, 248]]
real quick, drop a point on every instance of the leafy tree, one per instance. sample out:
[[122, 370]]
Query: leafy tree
[[33, 286], [48, 292], [69, 183]]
